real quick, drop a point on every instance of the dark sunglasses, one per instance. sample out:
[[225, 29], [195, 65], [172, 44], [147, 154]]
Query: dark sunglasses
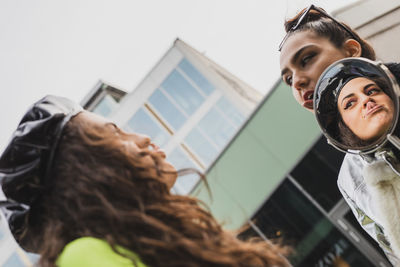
[[304, 15]]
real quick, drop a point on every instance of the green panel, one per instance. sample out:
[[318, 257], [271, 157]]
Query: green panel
[[284, 127], [270, 144], [240, 180]]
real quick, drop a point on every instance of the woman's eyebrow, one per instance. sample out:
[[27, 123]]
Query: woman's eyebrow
[[295, 57], [347, 96], [364, 89], [299, 52], [368, 86]]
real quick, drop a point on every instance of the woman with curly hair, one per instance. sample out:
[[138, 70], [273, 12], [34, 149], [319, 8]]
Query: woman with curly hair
[[82, 192]]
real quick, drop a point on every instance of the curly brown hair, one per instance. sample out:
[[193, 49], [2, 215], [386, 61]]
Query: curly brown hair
[[325, 27], [101, 189]]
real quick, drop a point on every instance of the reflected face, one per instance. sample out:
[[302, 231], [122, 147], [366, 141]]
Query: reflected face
[[365, 108], [137, 143], [304, 57]]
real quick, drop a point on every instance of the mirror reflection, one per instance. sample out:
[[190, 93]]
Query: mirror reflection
[[365, 111], [356, 104]]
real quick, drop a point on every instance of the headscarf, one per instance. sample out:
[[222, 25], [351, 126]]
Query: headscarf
[[26, 162]]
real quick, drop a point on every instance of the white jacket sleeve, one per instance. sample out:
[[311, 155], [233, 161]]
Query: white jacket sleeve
[[384, 185], [359, 197]]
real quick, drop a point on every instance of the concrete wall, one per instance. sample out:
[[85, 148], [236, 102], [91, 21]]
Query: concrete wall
[[379, 23]]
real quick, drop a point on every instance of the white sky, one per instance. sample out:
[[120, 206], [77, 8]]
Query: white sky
[[65, 47]]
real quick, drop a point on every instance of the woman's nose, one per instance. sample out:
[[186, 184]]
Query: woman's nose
[[369, 103], [142, 140], [300, 82]]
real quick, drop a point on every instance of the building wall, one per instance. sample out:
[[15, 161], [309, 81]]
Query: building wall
[[379, 23], [259, 157], [194, 106]]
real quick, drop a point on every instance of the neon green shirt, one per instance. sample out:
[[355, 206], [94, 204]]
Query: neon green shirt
[[93, 252]]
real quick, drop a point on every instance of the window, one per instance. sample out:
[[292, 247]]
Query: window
[[34, 258], [203, 147], [181, 160], [168, 110], [206, 87], [230, 111], [217, 127], [14, 260], [317, 173], [214, 130], [171, 106], [316, 241], [105, 106], [185, 95], [142, 122]]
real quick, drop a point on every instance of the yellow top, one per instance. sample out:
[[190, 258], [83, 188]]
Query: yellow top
[[93, 252]]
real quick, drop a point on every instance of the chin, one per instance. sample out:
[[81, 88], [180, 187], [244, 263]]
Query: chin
[[375, 135]]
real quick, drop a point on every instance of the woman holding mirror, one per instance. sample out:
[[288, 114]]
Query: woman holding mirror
[[357, 106], [314, 40]]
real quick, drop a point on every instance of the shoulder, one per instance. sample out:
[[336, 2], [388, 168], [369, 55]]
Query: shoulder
[[89, 251], [350, 175]]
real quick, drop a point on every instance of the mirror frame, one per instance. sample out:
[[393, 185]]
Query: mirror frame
[[378, 144]]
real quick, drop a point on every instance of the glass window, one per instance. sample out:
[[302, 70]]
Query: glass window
[[196, 77], [317, 173], [142, 122], [290, 215], [105, 106], [34, 258], [230, 111], [201, 146], [167, 109], [14, 261], [185, 95], [217, 128], [181, 160]]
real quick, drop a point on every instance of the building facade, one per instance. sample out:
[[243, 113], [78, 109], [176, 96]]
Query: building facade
[[190, 106]]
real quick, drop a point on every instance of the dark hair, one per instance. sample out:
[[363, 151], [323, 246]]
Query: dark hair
[[325, 27], [347, 137], [99, 188]]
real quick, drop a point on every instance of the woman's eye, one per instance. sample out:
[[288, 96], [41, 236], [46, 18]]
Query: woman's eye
[[373, 91], [349, 104], [306, 59], [288, 80]]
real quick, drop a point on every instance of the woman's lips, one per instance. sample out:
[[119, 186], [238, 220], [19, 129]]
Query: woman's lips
[[373, 110], [308, 104], [308, 99], [158, 150]]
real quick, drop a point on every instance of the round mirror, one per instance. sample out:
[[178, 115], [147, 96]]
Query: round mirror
[[356, 102]]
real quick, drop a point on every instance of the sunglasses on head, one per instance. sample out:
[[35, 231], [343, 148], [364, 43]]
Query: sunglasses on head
[[302, 17]]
